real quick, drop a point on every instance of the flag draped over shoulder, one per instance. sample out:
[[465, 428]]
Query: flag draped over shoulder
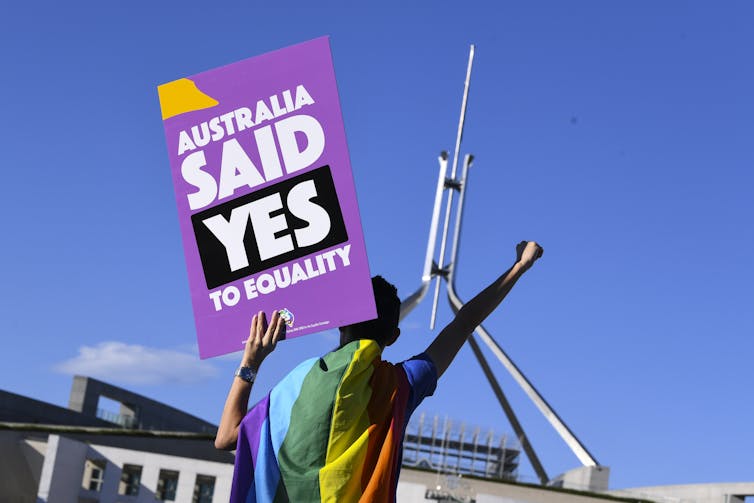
[[329, 431]]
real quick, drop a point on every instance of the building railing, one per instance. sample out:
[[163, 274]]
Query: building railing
[[120, 419], [453, 448]]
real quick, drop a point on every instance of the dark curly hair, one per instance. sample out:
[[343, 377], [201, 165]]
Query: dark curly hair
[[381, 329]]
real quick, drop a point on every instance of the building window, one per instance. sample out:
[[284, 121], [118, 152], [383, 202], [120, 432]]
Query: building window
[[204, 488], [94, 475], [130, 479], [167, 485]]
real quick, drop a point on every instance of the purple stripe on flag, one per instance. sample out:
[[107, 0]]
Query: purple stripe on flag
[[247, 449], [253, 424]]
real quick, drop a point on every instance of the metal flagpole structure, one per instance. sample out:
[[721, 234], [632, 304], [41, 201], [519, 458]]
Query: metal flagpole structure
[[442, 271]]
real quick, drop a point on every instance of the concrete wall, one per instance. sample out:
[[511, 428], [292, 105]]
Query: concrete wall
[[487, 491], [190, 448], [486, 498], [585, 478], [150, 414], [695, 493], [409, 491], [20, 409], [34, 456], [60, 481], [20, 468], [65, 459], [82, 410]]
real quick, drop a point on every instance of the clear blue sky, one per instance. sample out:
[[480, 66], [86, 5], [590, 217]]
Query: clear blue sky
[[618, 134]]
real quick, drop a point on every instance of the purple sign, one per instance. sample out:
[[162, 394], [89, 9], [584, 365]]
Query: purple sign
[[265, 195]]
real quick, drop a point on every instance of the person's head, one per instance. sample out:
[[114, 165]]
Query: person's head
[[383, 329]]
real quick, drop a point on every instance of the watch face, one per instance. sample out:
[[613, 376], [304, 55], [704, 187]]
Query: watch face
[[246, 374]]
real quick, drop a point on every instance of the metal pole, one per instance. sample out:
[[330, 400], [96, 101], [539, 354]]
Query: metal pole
[[413, 300], [512, 419], [552, 417], [459, 136], [460, 447], [468, 160]]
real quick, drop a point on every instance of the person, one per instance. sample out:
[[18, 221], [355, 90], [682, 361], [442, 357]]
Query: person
[[332, 429]]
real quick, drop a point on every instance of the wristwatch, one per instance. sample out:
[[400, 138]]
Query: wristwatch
[[246, 373]]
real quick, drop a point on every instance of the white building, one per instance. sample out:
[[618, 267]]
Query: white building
[[147, 451], [144, 451]]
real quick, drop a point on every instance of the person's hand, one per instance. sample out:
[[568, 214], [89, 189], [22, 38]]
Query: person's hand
[[527, 252], [262, 338]]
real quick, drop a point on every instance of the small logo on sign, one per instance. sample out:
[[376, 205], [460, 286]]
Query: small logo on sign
[[287, 317]]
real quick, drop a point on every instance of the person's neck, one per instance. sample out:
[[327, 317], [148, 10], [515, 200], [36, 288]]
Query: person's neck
[[344, 343]]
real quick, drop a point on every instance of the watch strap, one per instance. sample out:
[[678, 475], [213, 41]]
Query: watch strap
[[246, 373]]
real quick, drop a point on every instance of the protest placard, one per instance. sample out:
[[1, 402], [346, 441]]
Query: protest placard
[[266, 198]]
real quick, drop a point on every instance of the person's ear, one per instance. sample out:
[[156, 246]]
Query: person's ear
[[395, 336], [343, 336]]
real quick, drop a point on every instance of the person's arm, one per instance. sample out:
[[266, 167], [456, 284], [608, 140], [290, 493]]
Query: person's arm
[[261, 342], [449, 341]]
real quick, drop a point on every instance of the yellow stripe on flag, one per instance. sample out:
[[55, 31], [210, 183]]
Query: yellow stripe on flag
[[340, 478]]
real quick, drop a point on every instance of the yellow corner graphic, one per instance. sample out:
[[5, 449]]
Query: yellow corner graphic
[[181, 96]]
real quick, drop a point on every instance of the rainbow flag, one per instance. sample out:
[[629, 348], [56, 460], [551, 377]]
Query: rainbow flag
[[331, 430]]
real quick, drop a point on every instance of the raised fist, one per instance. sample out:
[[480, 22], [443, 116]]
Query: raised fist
[[527, 252]]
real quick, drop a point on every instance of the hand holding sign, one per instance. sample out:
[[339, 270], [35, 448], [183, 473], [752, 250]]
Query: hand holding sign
[[262, 338]]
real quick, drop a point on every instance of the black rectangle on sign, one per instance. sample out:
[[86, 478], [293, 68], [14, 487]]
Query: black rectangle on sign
[[279, 223]]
